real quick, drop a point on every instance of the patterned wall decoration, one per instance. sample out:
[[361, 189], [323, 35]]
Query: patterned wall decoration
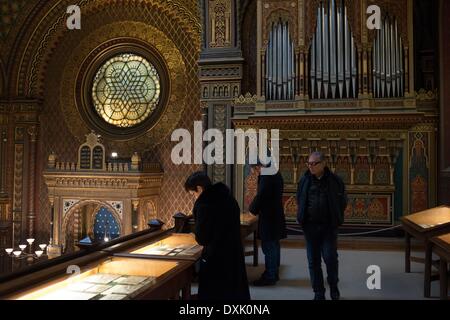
[[18, 192], [105, 224], [220, 22], [361, 209], [382, 171], [343, 169], [220, 123], [369, 208], [68, 204], [46, 55], [250, 187], [2, 78], [362, 171], [9, 11], [418, 171], [273, 11], [367, 161]]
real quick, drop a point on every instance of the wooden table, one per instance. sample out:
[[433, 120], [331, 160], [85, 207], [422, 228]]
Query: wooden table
[[423, 226], [441, 246]]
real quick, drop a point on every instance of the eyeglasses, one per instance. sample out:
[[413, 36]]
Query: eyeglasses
[[313, 164]]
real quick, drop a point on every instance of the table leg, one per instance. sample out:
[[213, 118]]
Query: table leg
[[186, 292], [443, 279], [255, 250], [407, 252], [427, 277]]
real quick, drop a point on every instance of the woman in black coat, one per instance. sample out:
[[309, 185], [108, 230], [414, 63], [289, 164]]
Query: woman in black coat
[[217, 228]]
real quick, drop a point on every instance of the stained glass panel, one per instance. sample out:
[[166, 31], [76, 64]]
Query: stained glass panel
[[126, 90]]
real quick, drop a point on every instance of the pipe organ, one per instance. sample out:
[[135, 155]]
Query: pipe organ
[[333, 54], [388, 72], [328, 83], [280, 75]]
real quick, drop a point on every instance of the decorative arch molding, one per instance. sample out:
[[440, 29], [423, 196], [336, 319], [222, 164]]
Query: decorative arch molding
[[81, 204], [32, 53], [286, 16], [149, 211], [177, 72]]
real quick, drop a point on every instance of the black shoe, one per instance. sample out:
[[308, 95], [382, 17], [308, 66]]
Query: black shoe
[[263, 282], [319, 296], [335, 294], [264, 275]]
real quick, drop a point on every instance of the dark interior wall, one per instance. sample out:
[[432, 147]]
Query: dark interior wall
[[444, 150], [248, 41], [426, 44]]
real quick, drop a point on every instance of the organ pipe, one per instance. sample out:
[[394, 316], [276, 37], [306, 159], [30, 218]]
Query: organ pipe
[[334, 69], [388, 73], [280, 64]]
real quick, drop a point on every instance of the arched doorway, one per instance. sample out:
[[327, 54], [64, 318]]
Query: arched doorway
[[80, 222]]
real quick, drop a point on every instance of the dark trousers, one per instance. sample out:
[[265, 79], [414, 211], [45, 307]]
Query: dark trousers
[[321, 241], [271, 250]]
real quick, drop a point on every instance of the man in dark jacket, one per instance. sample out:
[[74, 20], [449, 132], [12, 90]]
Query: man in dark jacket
[[222, 274], [321, 199], [268, 204]]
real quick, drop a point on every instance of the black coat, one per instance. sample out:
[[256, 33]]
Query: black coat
[[337, 197], [268, 204], [217, 227]]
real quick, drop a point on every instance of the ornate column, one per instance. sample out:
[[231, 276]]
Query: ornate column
[[134, 215], [52, 219], [31, 214], [3, 162], [220, 72]]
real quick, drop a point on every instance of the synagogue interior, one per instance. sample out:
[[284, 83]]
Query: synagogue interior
[[95, 95]]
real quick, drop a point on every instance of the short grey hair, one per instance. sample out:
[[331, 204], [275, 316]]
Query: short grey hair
[[318, 154]]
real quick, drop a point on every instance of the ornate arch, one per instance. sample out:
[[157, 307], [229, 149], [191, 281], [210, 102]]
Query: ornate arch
[[177, 38], [286, 16], [177, 70], [81, 204], [145, 214], [48, 25], [94, 214]]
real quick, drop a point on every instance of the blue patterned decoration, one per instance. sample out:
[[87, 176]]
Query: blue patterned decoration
[[104, 220]]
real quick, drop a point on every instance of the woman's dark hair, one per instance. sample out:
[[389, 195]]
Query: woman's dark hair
[[197, 179]]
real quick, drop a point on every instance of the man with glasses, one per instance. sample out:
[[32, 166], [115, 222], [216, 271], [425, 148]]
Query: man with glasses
[[321, 200]]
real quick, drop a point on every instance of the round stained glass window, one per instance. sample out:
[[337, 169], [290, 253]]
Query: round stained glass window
[[126, 90]]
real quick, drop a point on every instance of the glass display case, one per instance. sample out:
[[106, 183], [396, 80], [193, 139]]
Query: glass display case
[[116, 278], [146, 265], [176, 246]]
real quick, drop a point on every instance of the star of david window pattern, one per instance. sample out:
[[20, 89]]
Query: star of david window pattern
[[126, 90]]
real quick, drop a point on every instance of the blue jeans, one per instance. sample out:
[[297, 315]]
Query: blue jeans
[[321, 241], [271, 250]]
